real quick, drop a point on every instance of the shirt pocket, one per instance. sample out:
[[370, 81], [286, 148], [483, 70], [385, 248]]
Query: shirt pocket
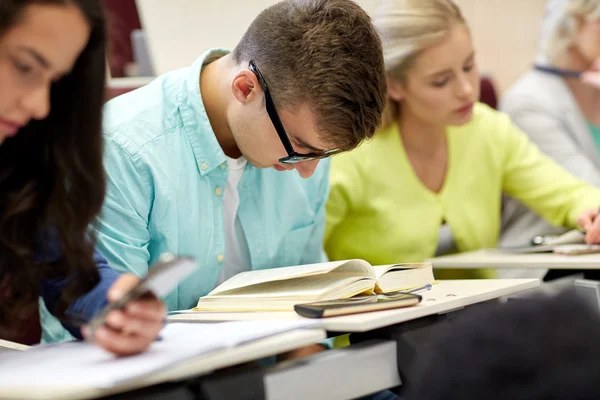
[[295, 244]]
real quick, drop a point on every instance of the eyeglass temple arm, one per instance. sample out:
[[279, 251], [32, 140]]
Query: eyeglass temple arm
[[271, 110]]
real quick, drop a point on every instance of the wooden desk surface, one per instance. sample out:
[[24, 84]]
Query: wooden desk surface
[[445, 296]]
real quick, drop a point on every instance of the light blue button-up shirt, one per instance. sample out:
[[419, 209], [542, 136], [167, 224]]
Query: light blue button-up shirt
[[166, 176]]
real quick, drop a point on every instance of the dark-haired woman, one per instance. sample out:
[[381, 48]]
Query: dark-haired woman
[[52, 70]]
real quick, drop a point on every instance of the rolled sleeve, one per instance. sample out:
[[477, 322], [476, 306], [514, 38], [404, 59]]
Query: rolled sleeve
[[85, 307]]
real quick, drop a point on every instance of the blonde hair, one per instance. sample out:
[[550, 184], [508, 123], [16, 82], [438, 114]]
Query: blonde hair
[[566, 24], [407, 27]]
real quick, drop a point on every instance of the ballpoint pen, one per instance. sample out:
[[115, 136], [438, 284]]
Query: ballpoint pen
[[558, 71]]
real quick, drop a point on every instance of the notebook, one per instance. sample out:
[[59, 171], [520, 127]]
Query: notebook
[[279, 289], [84, 365], [553, 244]]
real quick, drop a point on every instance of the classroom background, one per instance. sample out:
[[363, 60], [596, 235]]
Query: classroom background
[[505, 34]]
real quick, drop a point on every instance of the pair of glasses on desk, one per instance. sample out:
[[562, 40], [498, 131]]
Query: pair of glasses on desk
[[361, 304]]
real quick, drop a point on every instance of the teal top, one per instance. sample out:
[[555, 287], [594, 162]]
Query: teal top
[[166, 175], [595, 131]]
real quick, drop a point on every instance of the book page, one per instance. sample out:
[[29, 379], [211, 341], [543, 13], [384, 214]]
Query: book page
[[406, 278], [250, 278], [306, 287], [381, 270], [283, 295]]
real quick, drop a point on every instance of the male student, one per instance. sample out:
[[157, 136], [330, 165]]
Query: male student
[[225, 160]]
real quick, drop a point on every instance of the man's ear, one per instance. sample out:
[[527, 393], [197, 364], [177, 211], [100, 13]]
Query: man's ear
[[396, 89], [244, 86]]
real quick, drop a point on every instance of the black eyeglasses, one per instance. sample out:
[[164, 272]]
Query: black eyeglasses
[[293, 157]]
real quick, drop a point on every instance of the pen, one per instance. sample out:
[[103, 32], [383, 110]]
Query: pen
[[404, 292], [426, 287], [558, 71]]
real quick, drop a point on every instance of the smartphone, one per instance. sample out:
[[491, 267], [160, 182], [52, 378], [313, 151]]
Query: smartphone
[[355, 305], [162, 278]]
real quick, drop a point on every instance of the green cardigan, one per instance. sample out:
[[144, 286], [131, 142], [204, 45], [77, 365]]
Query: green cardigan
[[380, 211]]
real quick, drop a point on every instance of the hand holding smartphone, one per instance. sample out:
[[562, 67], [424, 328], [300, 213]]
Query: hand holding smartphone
[[161, 279]]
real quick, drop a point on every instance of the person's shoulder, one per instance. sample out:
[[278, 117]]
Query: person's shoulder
[[499, 334], [140, 116], [534, 88]]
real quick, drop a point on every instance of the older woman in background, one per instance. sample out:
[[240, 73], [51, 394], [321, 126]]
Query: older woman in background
[[560, 113]]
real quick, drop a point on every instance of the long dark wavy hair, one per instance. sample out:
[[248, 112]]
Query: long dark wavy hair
[[51, 178]]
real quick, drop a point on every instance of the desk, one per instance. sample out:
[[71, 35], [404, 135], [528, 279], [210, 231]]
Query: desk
[[199, 366], [493, 258], [406, 330], [380, 358], [444, 297]]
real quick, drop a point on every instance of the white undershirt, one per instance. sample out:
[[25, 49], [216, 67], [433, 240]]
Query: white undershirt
[[237, 255]]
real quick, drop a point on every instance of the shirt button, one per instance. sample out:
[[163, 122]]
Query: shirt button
[[223, 165], [218, 191], [204, 166], [220, 258]]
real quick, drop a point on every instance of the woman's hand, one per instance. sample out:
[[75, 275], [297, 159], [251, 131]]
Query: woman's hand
[[590, 223], [133, 329]]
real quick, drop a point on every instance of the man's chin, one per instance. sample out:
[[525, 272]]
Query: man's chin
[[256, 164]]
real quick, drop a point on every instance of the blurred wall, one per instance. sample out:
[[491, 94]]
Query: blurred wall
[[505, 34], [505, 31]]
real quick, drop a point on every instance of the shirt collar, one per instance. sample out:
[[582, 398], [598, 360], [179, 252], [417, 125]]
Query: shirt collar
[[205, 146]]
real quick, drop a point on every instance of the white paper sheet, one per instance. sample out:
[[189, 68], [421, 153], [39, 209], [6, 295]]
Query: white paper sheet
[[82, 364]]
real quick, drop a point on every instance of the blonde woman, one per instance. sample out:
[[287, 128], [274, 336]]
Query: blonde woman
[[430, 182], [560, 113]]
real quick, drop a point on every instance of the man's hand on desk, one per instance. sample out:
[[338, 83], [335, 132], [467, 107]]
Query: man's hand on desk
[[133, 329], [590, 223], [302, 352]]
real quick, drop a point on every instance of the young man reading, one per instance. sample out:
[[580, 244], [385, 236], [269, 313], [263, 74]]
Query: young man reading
[[201, 161]]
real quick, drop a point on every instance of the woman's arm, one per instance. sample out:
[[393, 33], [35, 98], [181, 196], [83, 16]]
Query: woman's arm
[[127, 331], [84, 308], [542, 184]]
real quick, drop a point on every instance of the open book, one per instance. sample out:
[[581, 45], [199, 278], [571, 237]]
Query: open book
[[279, 289]]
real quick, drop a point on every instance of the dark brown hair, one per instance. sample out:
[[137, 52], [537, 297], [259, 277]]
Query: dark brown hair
[[326, 54], [51, 177]]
